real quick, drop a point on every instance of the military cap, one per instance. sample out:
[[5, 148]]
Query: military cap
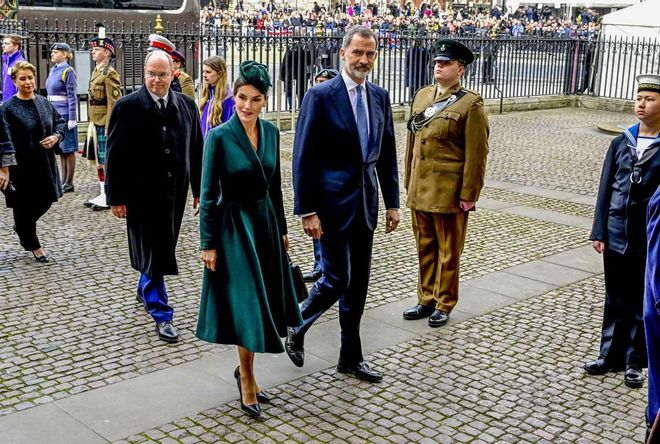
[[176, 55], [61, 47], [648, 82], [103, 42], [327, 74], [447, 49], [255, 74], [157, 41]]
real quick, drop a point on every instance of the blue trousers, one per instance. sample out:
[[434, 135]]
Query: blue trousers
[[346, 265], [152, 289], [317, 255]]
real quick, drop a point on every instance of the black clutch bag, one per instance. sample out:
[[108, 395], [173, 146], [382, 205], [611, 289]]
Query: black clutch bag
[[298, 282], [9, 192]]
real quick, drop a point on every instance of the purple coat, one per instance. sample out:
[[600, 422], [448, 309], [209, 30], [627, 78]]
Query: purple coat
[[55, 86], [228, 105], [8, 87]]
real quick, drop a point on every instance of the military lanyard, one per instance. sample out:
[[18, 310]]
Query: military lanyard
[[419, 120]]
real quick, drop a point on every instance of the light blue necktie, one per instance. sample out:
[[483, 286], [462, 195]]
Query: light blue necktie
[[363, 126]]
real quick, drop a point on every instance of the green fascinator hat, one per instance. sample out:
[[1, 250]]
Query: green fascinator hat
[[255, 74]]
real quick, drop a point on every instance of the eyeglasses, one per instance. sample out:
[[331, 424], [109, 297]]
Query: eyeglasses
[[161, 75]]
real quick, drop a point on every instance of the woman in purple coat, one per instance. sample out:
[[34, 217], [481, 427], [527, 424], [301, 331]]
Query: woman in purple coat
[[216, 104], [61, 86]]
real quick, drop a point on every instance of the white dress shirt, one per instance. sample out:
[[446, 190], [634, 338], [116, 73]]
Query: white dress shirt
[[352, 96], [156, 98]]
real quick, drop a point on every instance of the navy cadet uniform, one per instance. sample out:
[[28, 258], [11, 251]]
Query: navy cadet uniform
[[630, 176]]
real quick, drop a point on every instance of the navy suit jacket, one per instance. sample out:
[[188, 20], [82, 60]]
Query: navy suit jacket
[[330, 176]]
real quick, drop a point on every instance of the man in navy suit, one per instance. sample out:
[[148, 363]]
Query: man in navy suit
[[344, 148]]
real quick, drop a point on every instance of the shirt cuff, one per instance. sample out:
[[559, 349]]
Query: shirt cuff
[[7, 160], [307, 214]]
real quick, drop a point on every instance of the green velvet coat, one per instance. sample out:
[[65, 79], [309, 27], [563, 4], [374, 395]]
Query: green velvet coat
[[250, 299]]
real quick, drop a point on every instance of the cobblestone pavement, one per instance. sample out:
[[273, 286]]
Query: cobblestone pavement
[[509, 376], [72, 325]]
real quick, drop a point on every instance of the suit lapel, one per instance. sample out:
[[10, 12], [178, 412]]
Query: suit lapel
[[343, 104], [243, 141]]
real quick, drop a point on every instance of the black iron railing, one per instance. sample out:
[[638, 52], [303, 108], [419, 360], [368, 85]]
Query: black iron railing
[[503, 68]]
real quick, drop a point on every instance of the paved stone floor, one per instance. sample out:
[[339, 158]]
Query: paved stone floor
[[511, 375]]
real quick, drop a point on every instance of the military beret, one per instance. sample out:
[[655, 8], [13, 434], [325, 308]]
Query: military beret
[[255, 74], [157, 41], [105, 42], [447, 49], [648, 82], [61, 47], [327, 74], [176, 55]]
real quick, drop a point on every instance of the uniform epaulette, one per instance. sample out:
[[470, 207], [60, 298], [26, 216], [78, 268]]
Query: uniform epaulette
[[416, 92]]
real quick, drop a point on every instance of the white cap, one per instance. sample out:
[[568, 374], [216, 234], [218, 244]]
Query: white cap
[[648, 82]]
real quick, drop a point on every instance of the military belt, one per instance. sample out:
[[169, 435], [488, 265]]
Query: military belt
[[93, 102]]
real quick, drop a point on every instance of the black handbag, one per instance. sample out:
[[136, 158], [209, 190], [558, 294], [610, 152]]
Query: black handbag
[[10, 193], [298, 282]]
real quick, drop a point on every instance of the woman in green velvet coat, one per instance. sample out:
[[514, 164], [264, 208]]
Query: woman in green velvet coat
[[248, 297]]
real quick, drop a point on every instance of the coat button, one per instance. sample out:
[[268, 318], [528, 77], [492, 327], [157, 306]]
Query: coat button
[[168, 151], [169, 174], [164, 128], [421, 157], [423, 141]]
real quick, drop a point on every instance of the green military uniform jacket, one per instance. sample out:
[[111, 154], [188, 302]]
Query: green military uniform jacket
[[187, 84], [446, 159], [104, 91]]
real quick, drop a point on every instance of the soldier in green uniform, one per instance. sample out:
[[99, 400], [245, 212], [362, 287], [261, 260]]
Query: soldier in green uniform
[[104, 91], [186, 82], [444, 173]]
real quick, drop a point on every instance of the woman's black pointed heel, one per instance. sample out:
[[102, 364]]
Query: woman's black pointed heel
[[253, 410], [41, 259]]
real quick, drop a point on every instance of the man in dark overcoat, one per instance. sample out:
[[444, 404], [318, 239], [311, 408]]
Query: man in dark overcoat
[[154, 155]]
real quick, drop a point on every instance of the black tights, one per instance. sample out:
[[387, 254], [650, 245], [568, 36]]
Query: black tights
[[26, 216], [68, 162]]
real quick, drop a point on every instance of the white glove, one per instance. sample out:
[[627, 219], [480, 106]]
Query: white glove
[[71, 124]]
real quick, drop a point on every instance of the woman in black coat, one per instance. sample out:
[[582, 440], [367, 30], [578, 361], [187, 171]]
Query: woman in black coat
[[35, 129]]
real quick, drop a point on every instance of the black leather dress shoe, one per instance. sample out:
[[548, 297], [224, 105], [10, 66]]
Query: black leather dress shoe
[[253, 410], [294, 346], [633, 377], [167, 332], [360, 370], [312, 276], [419, 311], [438, 318], [600, 367], [66, 188]]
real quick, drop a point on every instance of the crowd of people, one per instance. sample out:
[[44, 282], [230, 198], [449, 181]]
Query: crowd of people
[[157, 144], [426, 19]]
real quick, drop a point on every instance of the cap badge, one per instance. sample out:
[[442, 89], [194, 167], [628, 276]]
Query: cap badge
[[442, 47]]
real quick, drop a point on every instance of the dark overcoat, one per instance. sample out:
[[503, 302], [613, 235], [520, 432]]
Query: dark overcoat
[[35, 175], [152, 160], [249, 300]]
